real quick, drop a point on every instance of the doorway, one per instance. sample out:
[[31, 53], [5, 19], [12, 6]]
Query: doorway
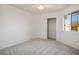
[[51, 28]]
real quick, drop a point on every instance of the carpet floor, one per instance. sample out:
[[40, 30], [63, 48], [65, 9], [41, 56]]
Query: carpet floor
[[40, 47]]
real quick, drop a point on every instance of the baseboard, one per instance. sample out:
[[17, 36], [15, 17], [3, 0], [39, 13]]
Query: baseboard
[[10, 45]]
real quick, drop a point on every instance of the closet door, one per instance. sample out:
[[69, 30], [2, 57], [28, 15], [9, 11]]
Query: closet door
[[52, 28]]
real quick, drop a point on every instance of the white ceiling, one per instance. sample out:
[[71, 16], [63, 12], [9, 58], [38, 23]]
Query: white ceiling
[[48, 7]]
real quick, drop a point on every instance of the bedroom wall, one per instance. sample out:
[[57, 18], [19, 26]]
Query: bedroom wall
[[69, 38], [16, 26], [42, 25]]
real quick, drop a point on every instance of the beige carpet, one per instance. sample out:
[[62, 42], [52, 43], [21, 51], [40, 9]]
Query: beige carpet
[[40, 47]]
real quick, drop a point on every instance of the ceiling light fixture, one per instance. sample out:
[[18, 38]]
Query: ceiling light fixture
[[40, 7]]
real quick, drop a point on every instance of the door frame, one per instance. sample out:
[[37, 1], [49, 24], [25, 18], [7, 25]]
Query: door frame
[[48, 25]]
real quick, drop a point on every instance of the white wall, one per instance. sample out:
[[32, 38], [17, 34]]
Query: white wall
[[16, 26], [42, 25], [69, 38]]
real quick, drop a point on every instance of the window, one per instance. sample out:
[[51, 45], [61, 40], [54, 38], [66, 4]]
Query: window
[[71, 22]]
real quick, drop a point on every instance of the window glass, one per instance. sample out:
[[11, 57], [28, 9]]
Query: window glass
[[71, 22], [74, 22], [68, 22], [78, 23]]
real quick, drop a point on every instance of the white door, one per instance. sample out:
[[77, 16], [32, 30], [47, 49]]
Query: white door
[[52, 28]]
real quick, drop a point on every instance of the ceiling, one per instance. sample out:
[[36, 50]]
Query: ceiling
[[48, 7]]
